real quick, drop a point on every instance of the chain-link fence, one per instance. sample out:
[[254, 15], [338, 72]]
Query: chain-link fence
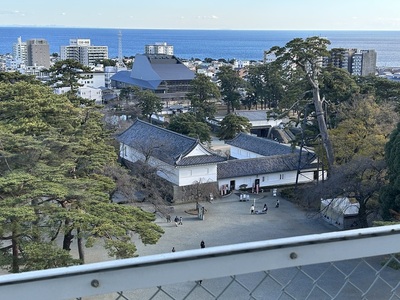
[[357, 264]]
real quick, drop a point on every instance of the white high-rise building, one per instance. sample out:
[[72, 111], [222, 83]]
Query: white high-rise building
[[19, 53], [159, 48], [81, 50]]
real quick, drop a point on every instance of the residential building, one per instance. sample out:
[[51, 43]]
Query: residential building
[[95, 94], [83, 51], [159, 48], [364, 63], [38, 53], [19, 52], [92, 79], [91, 88], [109, 71], [341, 58], [34, 52], [358, 63], [39, 72]]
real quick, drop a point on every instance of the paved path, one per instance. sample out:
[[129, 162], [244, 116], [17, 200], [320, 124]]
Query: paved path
[[228, 221]]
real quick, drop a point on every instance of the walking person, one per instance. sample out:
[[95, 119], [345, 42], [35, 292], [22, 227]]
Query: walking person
[[277, 203], [173, 249], [176, 221], [202, 246], [180, 221], [168, 218], [252, 209], [265, 208]]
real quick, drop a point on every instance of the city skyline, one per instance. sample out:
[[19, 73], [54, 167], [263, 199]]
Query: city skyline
[[233, 14]]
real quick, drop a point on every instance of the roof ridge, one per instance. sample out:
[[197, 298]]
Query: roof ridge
[[165, 129]]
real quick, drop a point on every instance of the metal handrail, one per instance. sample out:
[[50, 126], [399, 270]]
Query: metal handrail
[[198, 264]]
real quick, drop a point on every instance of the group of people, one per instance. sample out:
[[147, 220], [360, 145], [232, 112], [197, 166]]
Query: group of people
[[202, 245], [264, 210], [178, 221]]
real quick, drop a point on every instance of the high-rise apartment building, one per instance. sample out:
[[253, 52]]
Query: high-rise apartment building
[[341, 58], [38, 53], [81, 50], [159, 48], [19, 52], [359, 63], [364, 63]]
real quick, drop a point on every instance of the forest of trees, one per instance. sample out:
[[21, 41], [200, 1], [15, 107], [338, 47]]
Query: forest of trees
[[59, 167]]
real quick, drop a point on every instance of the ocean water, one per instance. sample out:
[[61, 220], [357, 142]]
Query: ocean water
[[227, 44]]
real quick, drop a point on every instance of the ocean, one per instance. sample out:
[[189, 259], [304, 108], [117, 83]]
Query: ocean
[[201, 44]]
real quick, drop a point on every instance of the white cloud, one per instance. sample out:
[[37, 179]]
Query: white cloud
[[9, 12], [207, 17]]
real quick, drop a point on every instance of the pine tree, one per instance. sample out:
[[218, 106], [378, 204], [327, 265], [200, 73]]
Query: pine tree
[[53, 183]]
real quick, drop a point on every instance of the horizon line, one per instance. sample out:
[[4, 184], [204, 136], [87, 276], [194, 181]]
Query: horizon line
[[205, 29]]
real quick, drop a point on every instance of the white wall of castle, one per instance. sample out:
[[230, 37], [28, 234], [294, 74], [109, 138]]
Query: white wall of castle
[[240, 153], [181, 176], [197, 174], [269, 180]]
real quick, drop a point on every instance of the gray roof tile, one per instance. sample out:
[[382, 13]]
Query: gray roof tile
[[264, 165], [165, 145], [259, 145]]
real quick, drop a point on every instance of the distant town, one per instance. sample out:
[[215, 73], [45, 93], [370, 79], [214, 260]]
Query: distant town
[[32, 57]]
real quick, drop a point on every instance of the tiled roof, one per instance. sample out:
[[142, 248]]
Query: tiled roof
[[259, 145], [200, 160], [165, 145], [252, 115], [263, 165]]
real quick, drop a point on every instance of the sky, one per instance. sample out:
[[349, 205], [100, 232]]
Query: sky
[[205, 14]]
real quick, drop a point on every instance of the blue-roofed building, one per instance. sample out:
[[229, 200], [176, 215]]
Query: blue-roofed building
[[166, 75]]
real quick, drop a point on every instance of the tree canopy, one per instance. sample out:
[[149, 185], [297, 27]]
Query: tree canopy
[[233, 124], [363, 129], [149, 103], [67, 73], [202, 96], [54, 184], [265, 86], [307, 56], [390, 194], [230, 82], [188, 125]]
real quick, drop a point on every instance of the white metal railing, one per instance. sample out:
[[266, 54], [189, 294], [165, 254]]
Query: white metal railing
[[203, 264]]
